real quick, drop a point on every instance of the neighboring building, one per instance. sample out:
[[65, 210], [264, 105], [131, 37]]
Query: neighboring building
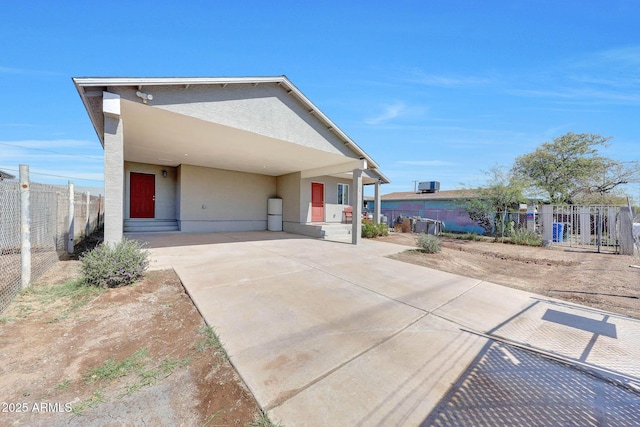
[[445, 206], [205, 155]]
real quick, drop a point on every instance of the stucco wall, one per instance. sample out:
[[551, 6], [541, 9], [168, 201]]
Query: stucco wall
[[332, 210], [221, 200], [266, 109], [288, 188], [165, 188]]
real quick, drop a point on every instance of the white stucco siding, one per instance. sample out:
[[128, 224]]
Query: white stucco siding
[[178, 189], [113, 179], [166, 201], [332, 210], [221, 200], [288, 187], [265, 109]]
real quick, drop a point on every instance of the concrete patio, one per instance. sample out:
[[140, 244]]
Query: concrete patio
[[325, 333]]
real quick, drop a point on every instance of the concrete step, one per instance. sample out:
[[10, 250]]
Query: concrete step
[[150, 225], [335, 230]]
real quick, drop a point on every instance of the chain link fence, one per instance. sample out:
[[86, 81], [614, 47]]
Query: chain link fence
[[50, 210], [9, 241]]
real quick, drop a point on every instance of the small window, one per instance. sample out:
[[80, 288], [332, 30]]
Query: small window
[[343, 194]]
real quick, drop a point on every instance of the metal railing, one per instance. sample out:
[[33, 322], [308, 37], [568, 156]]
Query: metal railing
[[595, 226]]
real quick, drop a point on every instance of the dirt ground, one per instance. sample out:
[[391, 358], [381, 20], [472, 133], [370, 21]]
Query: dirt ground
[[603, 281], [51, 347], [164, 369]]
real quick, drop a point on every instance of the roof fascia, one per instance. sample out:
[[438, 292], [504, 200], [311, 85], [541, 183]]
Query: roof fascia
[[80, 88]]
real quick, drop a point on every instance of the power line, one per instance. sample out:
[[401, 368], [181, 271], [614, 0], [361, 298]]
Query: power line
[[50, 151], [57, 176]]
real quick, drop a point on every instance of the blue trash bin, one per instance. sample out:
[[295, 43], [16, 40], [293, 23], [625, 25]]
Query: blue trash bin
[[558, 229]]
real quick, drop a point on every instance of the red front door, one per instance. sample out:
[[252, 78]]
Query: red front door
[[317, 202], [142, 195]]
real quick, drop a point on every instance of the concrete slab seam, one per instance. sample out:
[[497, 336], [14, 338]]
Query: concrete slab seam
[[279, 402], [455, 298], [313, 267], [247, 281]]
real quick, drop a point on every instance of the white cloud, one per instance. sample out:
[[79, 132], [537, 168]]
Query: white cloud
[[390, 112], [425, 163], [605, 77], [24, 71], [585, 96], [628, 55], [417, 76], [54, 161]]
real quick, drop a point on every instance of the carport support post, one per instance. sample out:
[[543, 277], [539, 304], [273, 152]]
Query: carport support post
[[356, 222], [113, 169], [376, 203]]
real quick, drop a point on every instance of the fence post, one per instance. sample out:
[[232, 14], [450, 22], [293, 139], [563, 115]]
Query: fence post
[[25, 227], [87, 226], [611, 222], [531, 217], [71, 218], [546, 217], [99, 211], [626, 231], [585, 226]]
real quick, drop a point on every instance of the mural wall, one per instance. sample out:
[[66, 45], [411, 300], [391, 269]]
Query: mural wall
[[454, 217]]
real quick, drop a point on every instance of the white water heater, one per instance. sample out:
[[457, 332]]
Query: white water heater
[[274, 214]]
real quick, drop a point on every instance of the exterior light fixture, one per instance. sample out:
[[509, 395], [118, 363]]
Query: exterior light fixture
[[144, 96], [164, 173]]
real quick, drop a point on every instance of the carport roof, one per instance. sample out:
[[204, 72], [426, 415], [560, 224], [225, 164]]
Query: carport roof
[[88, 87]]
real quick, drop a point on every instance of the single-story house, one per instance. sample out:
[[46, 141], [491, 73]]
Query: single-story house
[[446, 206], [206, 154]]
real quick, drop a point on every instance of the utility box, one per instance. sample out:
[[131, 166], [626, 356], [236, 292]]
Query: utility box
[[429, 187]]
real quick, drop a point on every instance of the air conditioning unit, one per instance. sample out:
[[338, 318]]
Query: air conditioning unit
[[428, 187]]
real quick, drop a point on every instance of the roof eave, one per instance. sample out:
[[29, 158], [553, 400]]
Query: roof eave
[[79, 87], [84, 82]]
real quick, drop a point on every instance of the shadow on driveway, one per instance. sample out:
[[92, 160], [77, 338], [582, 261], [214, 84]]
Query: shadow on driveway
[[508, 386]]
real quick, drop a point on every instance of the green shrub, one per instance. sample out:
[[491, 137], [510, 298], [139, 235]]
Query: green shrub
[[368, 229], [110, 266], [383, 229], [371, 230], [428, 243], [525, 237]]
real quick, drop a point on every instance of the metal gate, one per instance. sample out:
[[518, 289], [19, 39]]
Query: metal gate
[[595, 227]]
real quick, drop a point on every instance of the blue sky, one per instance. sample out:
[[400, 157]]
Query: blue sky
[[433, 90]]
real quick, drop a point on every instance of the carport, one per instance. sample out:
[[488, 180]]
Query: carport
[[205, 154]]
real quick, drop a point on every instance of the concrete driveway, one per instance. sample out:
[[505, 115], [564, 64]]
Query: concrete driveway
[[332, 334]]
